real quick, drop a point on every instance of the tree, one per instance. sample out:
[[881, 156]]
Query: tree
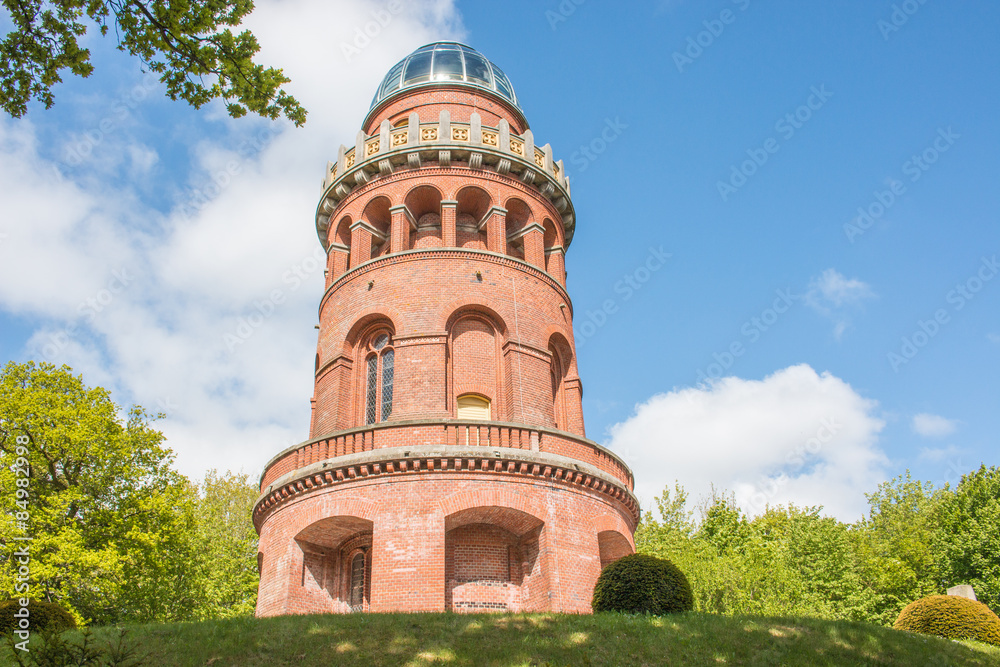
[[187, 43], [894, 546], [112, 524], [228, 545], [968, 544]]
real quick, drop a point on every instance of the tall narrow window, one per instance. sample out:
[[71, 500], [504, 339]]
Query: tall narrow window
[[388, 359], [379, 374], [358, 583]]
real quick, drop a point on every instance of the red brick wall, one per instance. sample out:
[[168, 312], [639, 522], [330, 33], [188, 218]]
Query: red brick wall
[[410, 537]]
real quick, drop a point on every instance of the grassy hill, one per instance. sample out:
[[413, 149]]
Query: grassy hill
[[542, 639]]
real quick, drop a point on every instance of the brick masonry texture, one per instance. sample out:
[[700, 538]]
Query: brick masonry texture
[[443, 281]]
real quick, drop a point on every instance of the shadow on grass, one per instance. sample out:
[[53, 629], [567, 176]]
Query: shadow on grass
[[543, 639]]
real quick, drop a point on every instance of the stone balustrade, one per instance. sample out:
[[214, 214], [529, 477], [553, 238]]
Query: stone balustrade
[[443, 142], [477, 444]]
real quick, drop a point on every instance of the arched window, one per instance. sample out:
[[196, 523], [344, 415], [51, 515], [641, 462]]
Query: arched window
[[471, 406], [379, 373]]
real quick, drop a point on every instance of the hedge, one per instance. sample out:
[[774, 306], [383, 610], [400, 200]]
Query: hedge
[[950, 616], [641, 584]]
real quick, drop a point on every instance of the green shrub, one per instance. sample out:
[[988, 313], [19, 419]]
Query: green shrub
[[952, 617], [41, 615], [642, 584]]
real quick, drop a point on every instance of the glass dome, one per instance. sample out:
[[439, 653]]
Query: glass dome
[[445, 61]]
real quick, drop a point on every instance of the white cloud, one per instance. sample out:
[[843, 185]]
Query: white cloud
[[933, 426], [938, 454], [795, 436], [157, 337], [834, 296]]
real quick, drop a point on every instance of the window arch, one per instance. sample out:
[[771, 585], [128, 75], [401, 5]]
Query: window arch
[[380, 362]]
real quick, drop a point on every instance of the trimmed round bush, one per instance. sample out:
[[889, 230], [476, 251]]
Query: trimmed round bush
[[952, 617], [641, 584], [41, 615]]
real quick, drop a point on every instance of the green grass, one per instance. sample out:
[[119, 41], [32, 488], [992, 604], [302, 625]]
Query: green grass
[[542, 639]]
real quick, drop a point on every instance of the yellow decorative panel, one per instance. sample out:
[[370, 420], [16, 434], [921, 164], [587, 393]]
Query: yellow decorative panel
[[371, 148], [517, 146], [459, 134], [490, 138], [428, 134], [399, 139]]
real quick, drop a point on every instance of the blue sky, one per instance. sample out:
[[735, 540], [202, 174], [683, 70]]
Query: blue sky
[[741, 138]]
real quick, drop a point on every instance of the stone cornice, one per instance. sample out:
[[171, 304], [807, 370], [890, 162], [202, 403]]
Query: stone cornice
[[430, 459]]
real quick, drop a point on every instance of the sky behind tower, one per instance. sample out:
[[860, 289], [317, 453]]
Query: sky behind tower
[[784, 274]]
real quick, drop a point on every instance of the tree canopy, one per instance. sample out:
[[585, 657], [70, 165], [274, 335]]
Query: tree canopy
[[189, 44], [116, 533], [916, 540]]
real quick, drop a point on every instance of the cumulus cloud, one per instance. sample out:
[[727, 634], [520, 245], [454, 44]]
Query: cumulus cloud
[[835, 296], [794, 437], [933, 426], [201, 308]]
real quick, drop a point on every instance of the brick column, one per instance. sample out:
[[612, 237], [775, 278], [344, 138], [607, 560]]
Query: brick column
[[408, 558], [495, 222], [527, 373], [448, 209], [420, 377], [534, 245], [337, 259], [362, 236], [575, 563], [574, 405], [402, 224], [555, 263]]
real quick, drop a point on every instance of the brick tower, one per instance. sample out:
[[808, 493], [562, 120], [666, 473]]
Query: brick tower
[[447, 467]]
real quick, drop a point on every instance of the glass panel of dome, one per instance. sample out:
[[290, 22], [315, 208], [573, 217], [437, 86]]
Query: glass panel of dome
[[447, 65], [503, 85], [418, 68], [476, 69], [392, 79]]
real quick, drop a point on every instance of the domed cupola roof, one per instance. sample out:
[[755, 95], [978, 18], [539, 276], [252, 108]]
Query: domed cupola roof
[[445, 62]]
